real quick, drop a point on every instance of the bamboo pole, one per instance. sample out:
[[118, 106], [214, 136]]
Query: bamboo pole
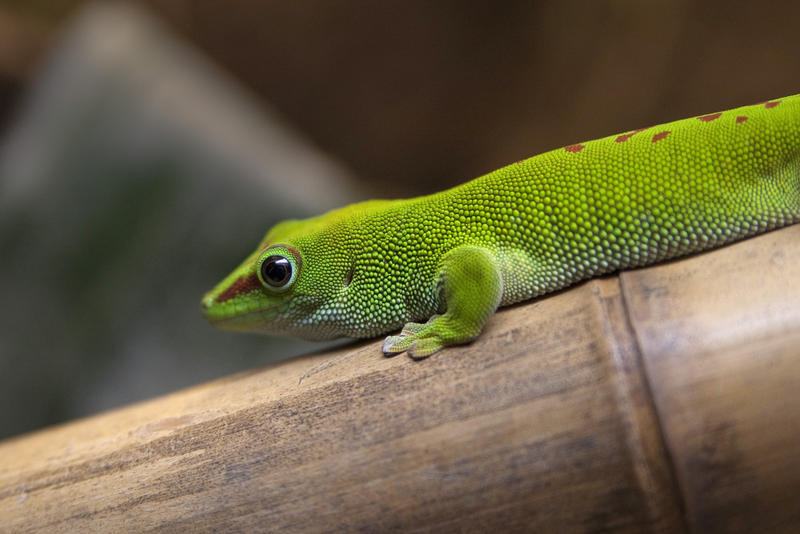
[[661, 400]]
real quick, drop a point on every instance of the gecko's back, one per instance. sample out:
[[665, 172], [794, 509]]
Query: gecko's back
[[636, 198]]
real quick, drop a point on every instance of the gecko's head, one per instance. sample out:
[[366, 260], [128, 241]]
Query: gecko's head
[[274, 291]]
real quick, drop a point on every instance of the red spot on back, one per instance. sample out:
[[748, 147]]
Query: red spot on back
[[709, 118], [661, 135], [770, 105], [574, 148], [243, 284], [740, 119], [624, 137]]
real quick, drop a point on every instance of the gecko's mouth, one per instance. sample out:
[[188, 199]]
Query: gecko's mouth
[[240, 314], [246, 315], [248, 321]]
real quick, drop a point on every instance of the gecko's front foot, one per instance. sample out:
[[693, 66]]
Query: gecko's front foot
[[419, 339]]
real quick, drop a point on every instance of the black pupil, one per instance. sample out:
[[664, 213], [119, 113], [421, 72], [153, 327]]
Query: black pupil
[[276, 271]]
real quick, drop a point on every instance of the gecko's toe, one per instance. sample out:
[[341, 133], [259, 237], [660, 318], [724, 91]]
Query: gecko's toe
[[422, 348], [419, 339], [394, 345]]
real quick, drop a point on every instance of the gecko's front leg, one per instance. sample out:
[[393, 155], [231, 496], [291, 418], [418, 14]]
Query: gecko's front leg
[[472, 287]]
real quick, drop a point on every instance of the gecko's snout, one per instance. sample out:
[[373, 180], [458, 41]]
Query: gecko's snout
[[206, 303]]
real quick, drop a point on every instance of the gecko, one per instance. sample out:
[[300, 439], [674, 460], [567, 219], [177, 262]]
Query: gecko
[[440, 265]]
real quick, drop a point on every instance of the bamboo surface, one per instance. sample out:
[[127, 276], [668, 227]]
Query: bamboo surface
[[663, 399]]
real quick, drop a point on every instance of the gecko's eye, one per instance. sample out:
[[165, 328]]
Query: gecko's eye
[[278, 267], [276, 271]]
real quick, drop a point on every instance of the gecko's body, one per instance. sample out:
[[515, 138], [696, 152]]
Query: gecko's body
[[524, 230]]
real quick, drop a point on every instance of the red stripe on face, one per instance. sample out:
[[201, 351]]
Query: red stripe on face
[[740, 119], [770, 105], [242, 285]]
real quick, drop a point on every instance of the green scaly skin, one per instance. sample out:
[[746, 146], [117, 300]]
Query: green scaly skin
[[527, 229]]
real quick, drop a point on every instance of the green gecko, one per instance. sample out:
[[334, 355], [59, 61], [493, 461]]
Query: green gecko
[[533, 227]]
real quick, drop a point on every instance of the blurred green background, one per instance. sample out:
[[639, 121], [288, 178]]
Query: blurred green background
[[145, 147]]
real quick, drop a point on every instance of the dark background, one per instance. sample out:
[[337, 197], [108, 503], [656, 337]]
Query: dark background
[[416, 95], [411, 97]]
